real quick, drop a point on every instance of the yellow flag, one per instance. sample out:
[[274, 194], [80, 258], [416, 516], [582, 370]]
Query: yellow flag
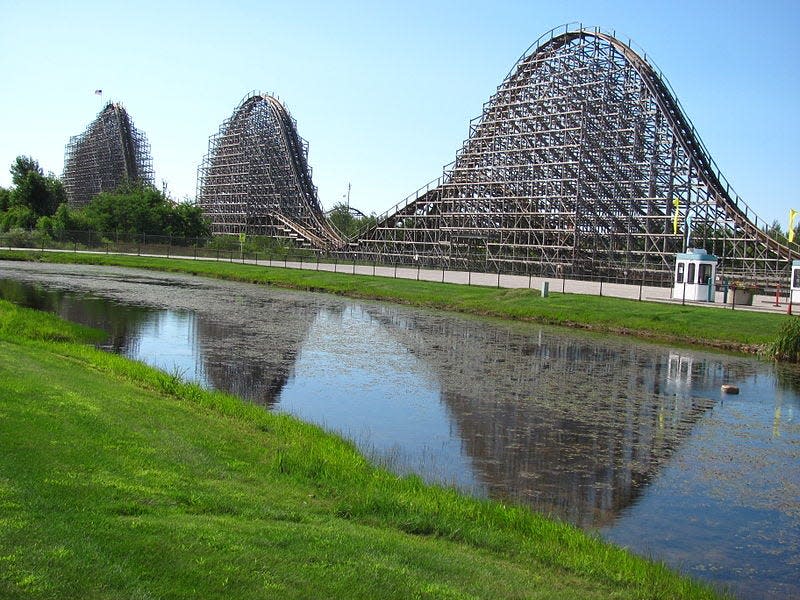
[[677, 204], [792, 215]]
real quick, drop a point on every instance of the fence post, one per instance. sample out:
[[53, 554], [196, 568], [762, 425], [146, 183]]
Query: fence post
[[641, 285]]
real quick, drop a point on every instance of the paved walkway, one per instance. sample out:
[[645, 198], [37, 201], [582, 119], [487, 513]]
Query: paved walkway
[[761, 303]]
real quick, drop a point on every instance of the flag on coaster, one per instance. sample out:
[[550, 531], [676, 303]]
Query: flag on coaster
[[792, 215], [677, 204], [99, 92]]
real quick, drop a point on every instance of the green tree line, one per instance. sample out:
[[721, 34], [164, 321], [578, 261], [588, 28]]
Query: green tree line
[[38, 201], [346, 222]]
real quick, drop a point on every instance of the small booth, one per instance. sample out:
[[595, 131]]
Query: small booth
[[695, 273], [795, 297]]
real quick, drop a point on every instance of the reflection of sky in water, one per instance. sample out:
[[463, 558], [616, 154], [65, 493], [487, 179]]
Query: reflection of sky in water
[[353, 378], [728, 491], [168, 340]]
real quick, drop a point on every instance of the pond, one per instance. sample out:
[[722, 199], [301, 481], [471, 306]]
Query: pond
[[629, 439]]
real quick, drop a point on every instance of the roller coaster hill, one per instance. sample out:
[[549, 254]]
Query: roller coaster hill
[[109, 152], [256, 180], [583, 164]]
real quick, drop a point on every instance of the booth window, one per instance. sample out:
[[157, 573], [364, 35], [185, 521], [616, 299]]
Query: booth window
[[679, 274], [690, 274], [704, 272], [796, 278]]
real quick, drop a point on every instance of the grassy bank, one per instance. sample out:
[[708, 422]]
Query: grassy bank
[[119, 481], [733, 330]]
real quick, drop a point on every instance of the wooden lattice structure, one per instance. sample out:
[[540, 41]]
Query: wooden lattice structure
[[110, 151], [255, 179], [583, 163]]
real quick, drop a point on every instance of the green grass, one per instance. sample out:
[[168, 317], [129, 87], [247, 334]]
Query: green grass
[[120, 481], [35, 325], [745, 331]]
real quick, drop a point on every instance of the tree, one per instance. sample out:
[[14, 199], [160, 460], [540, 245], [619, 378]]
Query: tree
[[32, 189], [17, 217], [134, 208], [346, 222], [341, 218], [62, 221], [38, 200], [187, 220], [775, 231], [22, 166]]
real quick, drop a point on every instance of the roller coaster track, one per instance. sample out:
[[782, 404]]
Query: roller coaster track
[[577, 166], [255, 179], [110, 151]]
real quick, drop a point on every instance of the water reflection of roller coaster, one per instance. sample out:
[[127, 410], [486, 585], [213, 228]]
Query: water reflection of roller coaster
[[582, 163], [562, 423]]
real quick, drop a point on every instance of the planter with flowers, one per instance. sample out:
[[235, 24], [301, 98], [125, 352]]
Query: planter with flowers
[[742, 292]]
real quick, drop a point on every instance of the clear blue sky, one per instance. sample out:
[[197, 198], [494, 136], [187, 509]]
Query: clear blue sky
[[382, 91]]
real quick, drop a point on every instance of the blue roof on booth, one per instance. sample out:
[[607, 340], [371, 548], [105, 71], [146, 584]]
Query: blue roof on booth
[[698, 254]]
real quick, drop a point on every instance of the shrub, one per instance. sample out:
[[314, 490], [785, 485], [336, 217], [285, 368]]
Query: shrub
[[787, 345], [19, 238]]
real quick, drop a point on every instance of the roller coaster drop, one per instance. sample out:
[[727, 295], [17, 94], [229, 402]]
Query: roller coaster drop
[[582, 164], [110, 151], [256, 180]]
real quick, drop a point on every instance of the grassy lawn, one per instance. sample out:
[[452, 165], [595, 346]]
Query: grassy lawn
[[120, 481], [733, 330]]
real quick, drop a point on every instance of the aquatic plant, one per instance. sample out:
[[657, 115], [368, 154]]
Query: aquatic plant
[[787, 344]]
